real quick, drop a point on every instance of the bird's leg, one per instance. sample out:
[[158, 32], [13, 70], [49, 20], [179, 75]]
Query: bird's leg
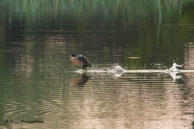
[[85, 70], [84, 75]]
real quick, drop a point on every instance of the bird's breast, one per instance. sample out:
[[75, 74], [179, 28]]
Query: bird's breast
[[76, 61]]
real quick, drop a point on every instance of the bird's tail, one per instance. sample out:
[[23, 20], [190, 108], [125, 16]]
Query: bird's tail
[[89, 65]]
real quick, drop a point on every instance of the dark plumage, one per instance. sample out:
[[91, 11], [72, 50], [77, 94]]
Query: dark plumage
[[80, 60]]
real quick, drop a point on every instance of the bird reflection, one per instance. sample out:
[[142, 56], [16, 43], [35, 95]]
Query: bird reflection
[[81, 81], [176, 76]]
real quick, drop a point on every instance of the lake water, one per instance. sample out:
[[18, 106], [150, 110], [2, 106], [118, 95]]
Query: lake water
[[40, 88]]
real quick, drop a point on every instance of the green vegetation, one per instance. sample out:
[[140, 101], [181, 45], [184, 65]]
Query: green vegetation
[[37, 37], [110, 12], [115, 21]]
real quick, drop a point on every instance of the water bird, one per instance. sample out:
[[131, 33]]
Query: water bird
[[174, 67], [80, 60]]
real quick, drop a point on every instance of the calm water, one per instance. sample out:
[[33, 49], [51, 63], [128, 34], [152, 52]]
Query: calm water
[[38, 82]]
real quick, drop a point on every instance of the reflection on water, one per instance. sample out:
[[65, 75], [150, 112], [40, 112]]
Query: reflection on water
[[176, 76], [40, 88], [80, 81], [36, 78]]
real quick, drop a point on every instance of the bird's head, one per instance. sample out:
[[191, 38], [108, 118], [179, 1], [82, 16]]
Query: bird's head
[[73, 55]]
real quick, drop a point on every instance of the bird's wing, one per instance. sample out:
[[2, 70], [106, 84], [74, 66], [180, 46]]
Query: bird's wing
[[179, 65], [81, 58], [84, 60]]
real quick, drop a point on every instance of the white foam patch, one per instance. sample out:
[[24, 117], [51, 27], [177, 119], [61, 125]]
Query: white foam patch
[[91, 71], [186, 71], [117, 71]]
